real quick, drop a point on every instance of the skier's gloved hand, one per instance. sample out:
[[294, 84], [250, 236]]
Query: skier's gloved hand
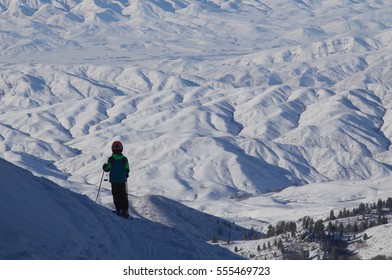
[[105, 167]]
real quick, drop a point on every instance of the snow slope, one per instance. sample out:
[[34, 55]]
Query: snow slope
[[218, 102], [376, 245], [40, 220]]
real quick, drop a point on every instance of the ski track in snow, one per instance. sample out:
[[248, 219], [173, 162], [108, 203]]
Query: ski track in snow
[[284, 104]]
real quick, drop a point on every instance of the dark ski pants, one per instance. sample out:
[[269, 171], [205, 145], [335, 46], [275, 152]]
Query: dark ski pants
[[120, 197]]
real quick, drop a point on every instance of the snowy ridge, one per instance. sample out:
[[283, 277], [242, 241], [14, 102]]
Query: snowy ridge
[[218, 103], [43, 221], [176, 215]]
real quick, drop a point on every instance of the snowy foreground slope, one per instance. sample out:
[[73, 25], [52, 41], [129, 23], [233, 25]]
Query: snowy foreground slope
[[40, 220], [251, 110]]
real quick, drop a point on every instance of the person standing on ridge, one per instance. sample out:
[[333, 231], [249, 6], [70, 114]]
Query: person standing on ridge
[[118, 167]]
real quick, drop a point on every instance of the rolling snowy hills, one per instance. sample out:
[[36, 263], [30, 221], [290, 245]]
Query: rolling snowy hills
[[233, 107]]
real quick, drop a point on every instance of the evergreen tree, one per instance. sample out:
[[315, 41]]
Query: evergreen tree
[[280, 227], [379, 219], [367, 207], [319, 228], [362, 208], [280, 245], [270, 231], [379, 206], [307, 223], [332, 215], [331, 228], [292, 227], [388, 203], [340, 215], [365, 237], [311, 225], [341, 229], [382, 220]]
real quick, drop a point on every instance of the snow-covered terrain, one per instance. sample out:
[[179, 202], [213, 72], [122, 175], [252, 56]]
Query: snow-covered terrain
[[251, 110], [40, 220]]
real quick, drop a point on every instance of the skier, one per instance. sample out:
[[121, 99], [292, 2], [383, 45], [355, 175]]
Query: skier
[[118, 167]]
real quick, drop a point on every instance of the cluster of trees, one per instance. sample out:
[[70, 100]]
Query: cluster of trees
[[372, 215], [282, 227], [330, 236], [320, 231], [277, 243], [364, 209], [333, 232]]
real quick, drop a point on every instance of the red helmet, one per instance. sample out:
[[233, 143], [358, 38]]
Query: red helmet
[[117, 147]]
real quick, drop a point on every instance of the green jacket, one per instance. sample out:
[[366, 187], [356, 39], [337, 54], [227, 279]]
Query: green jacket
[[118, 167]]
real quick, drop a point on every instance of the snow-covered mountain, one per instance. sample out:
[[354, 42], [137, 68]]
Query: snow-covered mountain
[[40, 220], [219, 103]]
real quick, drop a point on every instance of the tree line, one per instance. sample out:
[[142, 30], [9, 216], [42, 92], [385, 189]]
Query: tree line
[[332, 233]]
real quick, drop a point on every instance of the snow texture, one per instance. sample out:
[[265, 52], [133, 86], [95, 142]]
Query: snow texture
[[222, 105], [40, 220]]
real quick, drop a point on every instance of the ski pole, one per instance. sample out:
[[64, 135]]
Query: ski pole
[[99, 188], [126, 187]]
